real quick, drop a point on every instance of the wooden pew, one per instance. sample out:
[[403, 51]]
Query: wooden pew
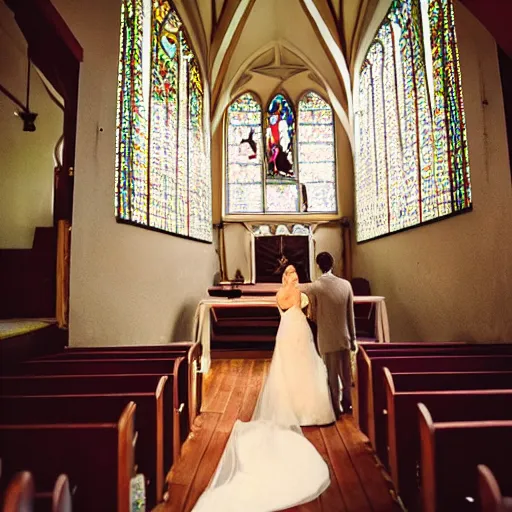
[[450, 454], [376, 395], [491, 499], [97, 457], [65, 409], [456, 404], [176, 421], [192, 351], [370, 350], [100, 384]]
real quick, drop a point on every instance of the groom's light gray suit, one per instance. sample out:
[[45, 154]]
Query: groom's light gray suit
[[332, 309]]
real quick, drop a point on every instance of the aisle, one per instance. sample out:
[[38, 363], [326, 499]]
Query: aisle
[[231, 389]]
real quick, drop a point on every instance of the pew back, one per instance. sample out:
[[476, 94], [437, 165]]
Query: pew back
[[99, 458], [105, 408], [403, 443], [173, 367], [450, 454], [376, 395]]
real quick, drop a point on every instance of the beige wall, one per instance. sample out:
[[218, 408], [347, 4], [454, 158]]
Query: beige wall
[[27, 162], [128, 285], [452, 280]]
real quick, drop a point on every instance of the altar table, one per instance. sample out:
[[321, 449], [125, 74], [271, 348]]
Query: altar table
[[202, 318]]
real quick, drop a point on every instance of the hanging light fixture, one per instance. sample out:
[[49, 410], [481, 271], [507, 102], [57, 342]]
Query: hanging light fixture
[[24, 113]]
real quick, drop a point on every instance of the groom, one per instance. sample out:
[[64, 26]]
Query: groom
[[333, 310]]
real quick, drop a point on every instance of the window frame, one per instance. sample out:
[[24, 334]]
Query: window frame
[[278, 216]]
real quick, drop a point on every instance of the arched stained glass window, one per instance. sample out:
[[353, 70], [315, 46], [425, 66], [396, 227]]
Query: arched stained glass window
[[317, 164], [410, 111], [163, 176], [244, 181], [266, 172]]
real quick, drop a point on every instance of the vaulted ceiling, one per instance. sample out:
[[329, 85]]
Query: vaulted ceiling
[[266, 45], [269, 45]]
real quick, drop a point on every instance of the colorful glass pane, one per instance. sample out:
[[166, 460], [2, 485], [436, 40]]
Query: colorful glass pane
[[279, 140], [317, 168], [163, 174], [244, 156], [420, 168], [131, 136], [282, 198]]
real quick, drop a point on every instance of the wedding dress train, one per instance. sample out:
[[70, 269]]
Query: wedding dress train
[[268, 464]]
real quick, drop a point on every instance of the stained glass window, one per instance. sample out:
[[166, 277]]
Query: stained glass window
[[163, 176], [411, 144], [266, 171], [244, 156], [317, 165]]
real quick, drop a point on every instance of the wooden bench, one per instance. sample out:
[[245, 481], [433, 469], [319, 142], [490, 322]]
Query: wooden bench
[[483, 402], [97, 457], [489, 490], [100, 384], [175, 368], [375, 391], [104, 408], [450, 454], [191, 351], [372, 350]]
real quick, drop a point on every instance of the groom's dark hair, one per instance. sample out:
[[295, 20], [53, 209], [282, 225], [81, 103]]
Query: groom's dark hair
[[325, 261]]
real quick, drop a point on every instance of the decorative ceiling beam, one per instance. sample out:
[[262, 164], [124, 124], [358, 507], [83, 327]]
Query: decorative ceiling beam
[[332, 48], [227, 33]]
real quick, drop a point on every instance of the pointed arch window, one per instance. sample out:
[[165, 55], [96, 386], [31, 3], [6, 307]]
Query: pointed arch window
[[280, 161], [163, 176], [411, 145], [317, 162]]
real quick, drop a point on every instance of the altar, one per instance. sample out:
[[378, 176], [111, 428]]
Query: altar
[[263, 295]]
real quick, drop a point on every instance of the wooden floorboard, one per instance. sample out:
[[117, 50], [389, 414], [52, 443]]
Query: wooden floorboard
[[230, 392], [331, 499]]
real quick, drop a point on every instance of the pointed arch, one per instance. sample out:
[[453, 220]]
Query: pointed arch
[[316, 152], [220, 104]]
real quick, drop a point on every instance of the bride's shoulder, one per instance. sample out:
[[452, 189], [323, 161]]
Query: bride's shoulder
[[304, 300]]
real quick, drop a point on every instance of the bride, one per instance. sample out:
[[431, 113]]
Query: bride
[[268, 464]]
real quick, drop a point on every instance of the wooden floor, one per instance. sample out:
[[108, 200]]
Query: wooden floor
[[231, 389]]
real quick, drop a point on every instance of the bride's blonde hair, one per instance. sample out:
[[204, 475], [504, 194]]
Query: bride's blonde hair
[[284, 278]]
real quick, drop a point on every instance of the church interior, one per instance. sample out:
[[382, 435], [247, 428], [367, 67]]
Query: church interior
[[162, 163]]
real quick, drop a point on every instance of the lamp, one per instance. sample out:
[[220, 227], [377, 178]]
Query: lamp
[[28, 119], [24, 113]]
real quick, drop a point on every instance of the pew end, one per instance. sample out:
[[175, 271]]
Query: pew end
[[427, 456], [61, 497], [19, 495], [390, 418], [489, 490]]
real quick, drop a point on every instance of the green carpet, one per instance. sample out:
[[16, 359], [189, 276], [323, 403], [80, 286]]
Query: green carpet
[[10, 328]]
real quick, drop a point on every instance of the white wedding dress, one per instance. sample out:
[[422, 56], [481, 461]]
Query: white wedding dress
[[268, 464]]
